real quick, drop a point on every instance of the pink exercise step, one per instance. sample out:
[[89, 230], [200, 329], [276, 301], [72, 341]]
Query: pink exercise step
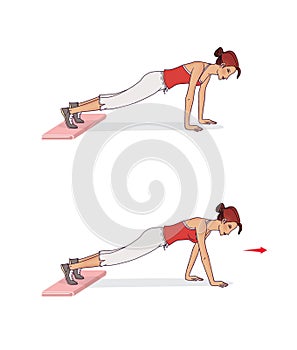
[[61, 132], [63, 289]]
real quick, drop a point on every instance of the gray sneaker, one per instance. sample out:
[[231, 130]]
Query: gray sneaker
[[76, 272], [68, 118], [68, 274], [76, 116]]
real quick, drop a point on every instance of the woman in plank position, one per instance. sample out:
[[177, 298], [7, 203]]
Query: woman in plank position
[[196, 230], [194, 74]]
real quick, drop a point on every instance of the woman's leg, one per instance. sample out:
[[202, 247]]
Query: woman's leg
[[86, 106], [88, 101], [141, 246], [87, 262], [88, 257], [149, 240], [147, 86]]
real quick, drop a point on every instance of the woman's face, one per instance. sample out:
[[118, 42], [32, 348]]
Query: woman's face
[[224, 72], [226, 227]]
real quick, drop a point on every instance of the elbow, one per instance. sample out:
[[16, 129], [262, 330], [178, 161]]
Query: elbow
[[189, 99], [203, 258]]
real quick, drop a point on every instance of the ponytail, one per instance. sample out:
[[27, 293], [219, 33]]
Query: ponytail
[[220, 209], [218, 53]]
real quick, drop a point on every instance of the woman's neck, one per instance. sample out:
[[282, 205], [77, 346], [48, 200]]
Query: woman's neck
[[213, 69], [213, 225]]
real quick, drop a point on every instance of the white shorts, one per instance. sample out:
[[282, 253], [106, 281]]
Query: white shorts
[[149, 240], [147, 86]]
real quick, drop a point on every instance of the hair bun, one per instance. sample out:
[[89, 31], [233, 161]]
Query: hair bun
[[220, 208], [218, 52]]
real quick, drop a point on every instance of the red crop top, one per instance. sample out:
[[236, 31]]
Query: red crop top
[[179, 232], [176, 76]]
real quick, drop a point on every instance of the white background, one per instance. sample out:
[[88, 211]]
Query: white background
[[53, 52]]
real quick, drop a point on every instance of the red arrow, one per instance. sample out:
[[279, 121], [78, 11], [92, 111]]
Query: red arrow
[[259, 250]]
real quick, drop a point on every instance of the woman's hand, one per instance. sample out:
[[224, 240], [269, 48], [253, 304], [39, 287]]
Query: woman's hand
[[219, 284], [193, 278], [193, 127], [207, 121]]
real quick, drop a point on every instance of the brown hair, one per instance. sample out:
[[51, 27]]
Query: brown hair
[[227, 57], [229, 214]]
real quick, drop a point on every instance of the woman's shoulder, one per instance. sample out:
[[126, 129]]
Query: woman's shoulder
[[195, 64], [196, 222], [195, 67]]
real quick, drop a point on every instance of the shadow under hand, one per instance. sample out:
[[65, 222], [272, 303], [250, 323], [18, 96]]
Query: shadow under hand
[[148, 116]]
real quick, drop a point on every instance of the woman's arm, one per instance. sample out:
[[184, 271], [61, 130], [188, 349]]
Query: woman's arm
[[201, 101], [206, 262], [193, 257], [195, 74]]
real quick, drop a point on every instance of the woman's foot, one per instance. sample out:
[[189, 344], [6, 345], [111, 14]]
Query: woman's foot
[[68, 274], [193, 278], [207, 121], [193, 127], [68, 118], [76, 116], [76, 272]]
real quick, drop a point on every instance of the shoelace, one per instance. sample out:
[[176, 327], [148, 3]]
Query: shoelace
[[71, 275]]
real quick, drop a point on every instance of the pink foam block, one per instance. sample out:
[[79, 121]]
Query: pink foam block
[[63, 289], [61, 132]]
